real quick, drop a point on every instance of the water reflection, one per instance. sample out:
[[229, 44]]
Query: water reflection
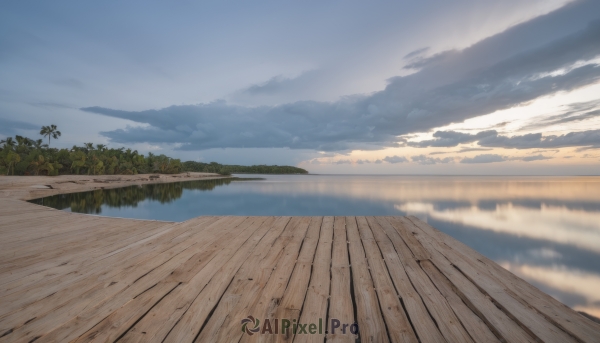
[[92, 202], [544, 229]]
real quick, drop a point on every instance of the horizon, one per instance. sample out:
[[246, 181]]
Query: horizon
[[412, 88]]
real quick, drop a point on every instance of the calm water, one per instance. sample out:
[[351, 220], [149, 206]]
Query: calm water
[[544, 229]]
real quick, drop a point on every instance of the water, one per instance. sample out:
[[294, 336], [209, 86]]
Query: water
[[544, 229]]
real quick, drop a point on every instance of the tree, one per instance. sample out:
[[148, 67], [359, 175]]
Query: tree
[[36, 164], [38, 144], [12, 159], [78, 158], [50, 131], [9, 142]]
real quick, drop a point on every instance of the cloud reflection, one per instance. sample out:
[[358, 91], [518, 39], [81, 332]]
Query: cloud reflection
[[554, 223]]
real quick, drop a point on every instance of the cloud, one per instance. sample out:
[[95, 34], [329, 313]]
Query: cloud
[[535, 158], [484, 158], [474, 149], [493, 158], [343, 162], [378, 161], [491, 139], [450, 139], [536, 140], [395, 159], [278, 84], [451, 87], [422, 159], [9, 127], [574, 113]]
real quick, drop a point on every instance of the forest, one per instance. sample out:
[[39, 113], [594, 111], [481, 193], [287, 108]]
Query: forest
[[25, 156]]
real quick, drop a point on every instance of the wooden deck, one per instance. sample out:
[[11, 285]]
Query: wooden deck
[[69, 277]]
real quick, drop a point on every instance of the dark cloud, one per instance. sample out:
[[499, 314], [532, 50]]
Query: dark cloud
[[395, 159], [474, 149], [451, 87], [536, 140], [535, 158], [422, 159], [574, 113], [484, 158], [491, 139], [493, 158], [450, 139], [9, 127]]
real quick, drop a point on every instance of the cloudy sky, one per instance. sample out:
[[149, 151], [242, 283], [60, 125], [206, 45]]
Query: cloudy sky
[[402, 87]]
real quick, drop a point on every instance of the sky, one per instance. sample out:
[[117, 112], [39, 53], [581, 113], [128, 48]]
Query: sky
[[402, 87]]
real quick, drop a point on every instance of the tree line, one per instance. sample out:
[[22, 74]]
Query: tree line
[[26, 156]]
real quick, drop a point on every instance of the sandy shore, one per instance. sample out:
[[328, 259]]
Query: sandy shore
[[32, 187]]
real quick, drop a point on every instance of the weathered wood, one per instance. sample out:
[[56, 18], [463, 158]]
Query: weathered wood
[[273, 292], [529, 319], [497, 320], [317, 295], [67, 277], [293, 298], [437, 305], [368, 312], [553, 310], [247, 283], [424, 325], [398, 325], [340, 303]]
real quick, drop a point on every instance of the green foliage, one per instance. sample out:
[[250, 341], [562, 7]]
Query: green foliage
[[223, 169], [25, 156], [49, 131]]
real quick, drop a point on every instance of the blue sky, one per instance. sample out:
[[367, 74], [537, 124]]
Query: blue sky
[[335, 87]]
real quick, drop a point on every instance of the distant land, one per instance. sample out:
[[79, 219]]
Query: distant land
[[26, 156]]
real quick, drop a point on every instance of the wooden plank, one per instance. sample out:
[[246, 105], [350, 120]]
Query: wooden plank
[[275, 288], [424, 325], [370, 321], [473, 324], [317, 295], [52, 311], [71, 263], [438, 307], [341, 306], [553, 310], [396, 320], [157, 323], [524, 315], [188, 327], [499, 323], [294, 295], [177, 270], [224, 326], [78, 283]]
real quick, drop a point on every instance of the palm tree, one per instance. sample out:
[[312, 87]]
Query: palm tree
[[9, 142], [38, 144], [50, 131]]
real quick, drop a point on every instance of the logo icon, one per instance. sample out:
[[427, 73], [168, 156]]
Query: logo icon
[[248, 330]]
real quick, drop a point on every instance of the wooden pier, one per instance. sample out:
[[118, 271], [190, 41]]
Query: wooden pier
[[68, 277]]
